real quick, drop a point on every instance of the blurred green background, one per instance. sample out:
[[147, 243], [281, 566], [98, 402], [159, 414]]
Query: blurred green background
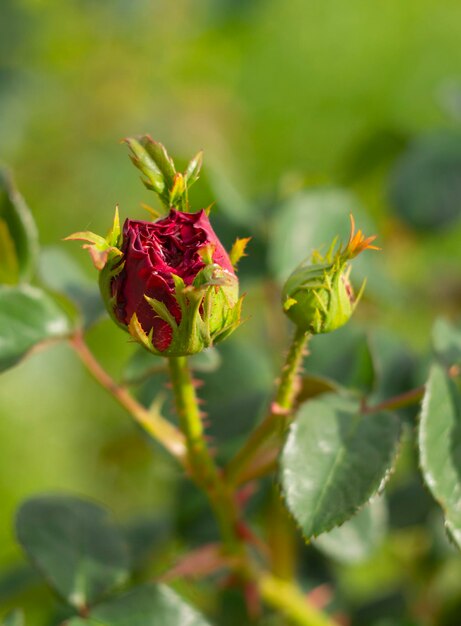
[[306, 110]]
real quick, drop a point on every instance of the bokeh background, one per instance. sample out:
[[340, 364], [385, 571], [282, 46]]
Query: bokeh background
[[306, 110]]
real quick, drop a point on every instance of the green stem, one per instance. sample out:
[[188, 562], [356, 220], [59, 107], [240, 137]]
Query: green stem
[[204, 470], [276, 420], [286, 391], [290, 601]]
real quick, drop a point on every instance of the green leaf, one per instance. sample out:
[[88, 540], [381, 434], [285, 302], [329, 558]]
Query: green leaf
[[14, 618], [75, 544], [28, 316], [446, 341], [440, 446], [353, 364], [334, 460], [357, 539], [148, 605], [425, 183], [18, 234]]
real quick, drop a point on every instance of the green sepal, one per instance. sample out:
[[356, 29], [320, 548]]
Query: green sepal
[[162, 311], [160, 174], [100, 249], [238, 250], [154, 179], [161, 158], [178, 193], [210, 311], [192, 172], [114, 236]]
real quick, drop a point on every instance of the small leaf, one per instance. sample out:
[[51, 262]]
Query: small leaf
[[357, 539], [440, 446], [148, 605], [75, 544], [18, 234], [238, 250], [14, 618], [334, 460], [28, 316]]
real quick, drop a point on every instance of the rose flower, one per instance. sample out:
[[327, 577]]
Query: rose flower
[[169, 283]]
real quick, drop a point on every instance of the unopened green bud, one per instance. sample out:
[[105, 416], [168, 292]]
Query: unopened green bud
[[318, 296]]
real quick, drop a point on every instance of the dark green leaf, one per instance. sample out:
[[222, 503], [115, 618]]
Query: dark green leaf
[[144, 537], [446, 341], [334, 461], [425, 185], [75, 544], [394, 363], [358, 538], [148, 605], [440, 446], [18, 234], [343, 356], [17, 580], [14, 618], [28, 316]]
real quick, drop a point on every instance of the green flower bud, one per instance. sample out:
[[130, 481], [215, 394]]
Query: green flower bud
[[318, 296]]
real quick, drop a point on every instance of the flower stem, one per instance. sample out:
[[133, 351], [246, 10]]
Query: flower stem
[[286, 391], [289, 600], [191, 451], [153, 423], [203, 468], [275, 421]]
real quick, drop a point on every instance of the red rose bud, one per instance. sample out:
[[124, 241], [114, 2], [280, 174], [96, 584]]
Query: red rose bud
[[169, 283], [318, 296]]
